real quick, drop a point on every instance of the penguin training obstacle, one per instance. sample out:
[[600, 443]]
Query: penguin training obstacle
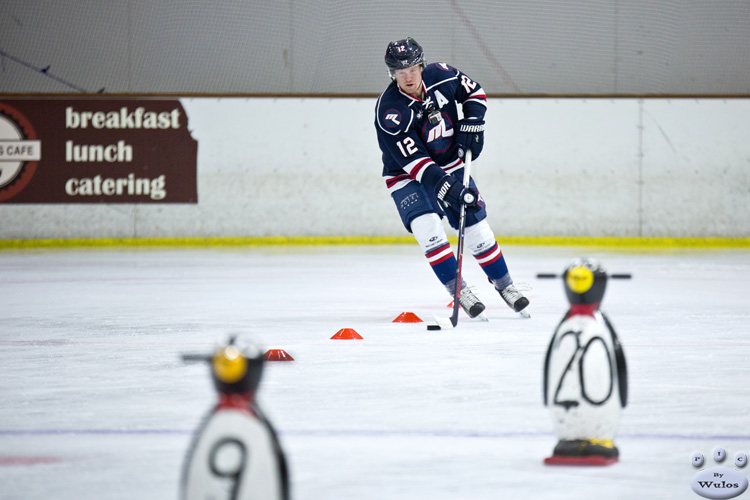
[[585, 374], [235, 451]]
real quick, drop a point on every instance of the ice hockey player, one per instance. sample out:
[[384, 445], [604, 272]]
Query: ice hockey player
[[423, 141]]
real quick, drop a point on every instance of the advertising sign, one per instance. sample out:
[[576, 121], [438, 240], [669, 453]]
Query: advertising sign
[[63, 150]]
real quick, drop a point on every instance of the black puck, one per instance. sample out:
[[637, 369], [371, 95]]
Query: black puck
[[433, 327]]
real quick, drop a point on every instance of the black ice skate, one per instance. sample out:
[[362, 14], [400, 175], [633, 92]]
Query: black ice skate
[[515, 299], [470, 303]]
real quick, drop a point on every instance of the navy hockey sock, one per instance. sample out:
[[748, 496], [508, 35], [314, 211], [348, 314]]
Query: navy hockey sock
[[429, 232], [443, 262], [494, 266]]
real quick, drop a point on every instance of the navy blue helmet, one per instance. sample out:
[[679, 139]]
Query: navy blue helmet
[[403, 54]]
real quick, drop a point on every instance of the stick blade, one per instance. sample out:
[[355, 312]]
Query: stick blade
[[442, 323]]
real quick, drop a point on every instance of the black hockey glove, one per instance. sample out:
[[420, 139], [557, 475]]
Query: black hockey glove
[[451, 191], [470, 135]]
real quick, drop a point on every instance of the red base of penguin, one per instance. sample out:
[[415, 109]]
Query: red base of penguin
[[592, 460], [584, 452]]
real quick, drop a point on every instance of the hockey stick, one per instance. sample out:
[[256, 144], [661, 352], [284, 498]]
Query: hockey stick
[[448, 323]]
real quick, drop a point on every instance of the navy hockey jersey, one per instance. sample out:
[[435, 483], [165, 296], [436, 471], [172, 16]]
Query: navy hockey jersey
[[409, 141]]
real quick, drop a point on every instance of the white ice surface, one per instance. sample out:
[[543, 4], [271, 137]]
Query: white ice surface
[[95, 402]]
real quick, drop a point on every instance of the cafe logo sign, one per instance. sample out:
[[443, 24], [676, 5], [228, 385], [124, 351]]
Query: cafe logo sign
[[20, 150]]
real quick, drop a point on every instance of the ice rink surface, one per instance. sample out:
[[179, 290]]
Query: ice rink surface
[[97, 404]]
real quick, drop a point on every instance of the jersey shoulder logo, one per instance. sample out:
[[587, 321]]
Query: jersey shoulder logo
[[392, 118], [444, 67]]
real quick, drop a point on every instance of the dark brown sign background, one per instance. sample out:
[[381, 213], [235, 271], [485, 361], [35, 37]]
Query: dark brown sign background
[[169, 152]]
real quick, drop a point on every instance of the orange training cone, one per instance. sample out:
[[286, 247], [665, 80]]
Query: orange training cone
[[277, 355], [407, 317], [347, 334]]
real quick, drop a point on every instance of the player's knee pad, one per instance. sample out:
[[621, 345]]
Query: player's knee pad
[[429, 231], [479, 237]]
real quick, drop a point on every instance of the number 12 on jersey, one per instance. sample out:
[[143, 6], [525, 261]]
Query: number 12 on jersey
[[407, 147]]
